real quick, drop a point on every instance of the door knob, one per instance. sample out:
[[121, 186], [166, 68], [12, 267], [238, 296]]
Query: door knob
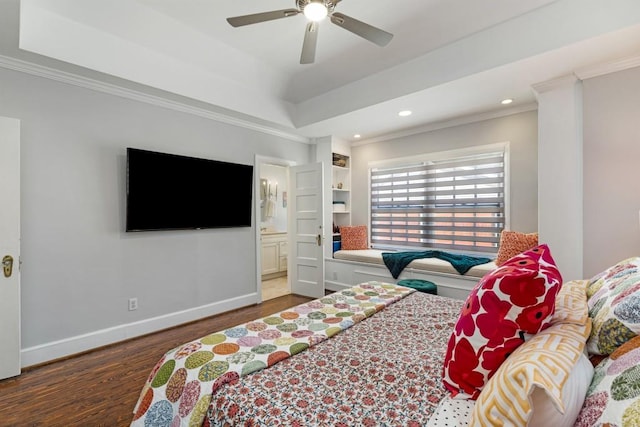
[[7, 265], [319, 239]]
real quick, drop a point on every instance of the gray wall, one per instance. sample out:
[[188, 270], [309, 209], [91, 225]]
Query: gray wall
[[80, 267], [519, 129], [611, 169]]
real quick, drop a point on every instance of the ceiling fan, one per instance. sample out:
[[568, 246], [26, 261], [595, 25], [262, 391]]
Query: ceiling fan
[[316, 11]]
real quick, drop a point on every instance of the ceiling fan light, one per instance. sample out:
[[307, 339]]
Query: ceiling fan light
[[315, 11]]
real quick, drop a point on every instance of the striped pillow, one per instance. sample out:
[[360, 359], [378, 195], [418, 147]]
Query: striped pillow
[[546, 361]]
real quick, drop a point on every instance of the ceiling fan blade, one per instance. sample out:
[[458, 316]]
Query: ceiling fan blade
[[366, 31], [239, 21], [308, 55]]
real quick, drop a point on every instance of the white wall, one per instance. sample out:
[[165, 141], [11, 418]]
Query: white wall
[[80, 267], [519, 129], [560, 159], [611, 169]]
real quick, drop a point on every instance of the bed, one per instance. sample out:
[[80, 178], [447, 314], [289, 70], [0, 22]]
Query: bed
[[375, 354], [371, 366]]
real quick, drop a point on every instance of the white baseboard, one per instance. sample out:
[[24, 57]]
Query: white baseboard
[[73, 345], [331, 285]]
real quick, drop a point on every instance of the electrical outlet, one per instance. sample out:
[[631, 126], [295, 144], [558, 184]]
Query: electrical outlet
[[133, 304]]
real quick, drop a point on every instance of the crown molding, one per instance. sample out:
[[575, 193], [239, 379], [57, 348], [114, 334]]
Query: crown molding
[[553, 84], [588, 72], [136, 95], [607, 67], [430, 127]]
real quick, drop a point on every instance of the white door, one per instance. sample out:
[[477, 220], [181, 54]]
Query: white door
[[306, 254], [9, 247]]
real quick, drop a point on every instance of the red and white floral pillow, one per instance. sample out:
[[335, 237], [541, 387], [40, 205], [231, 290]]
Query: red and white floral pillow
[[509, 304]]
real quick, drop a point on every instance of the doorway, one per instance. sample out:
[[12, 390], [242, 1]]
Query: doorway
[[272, 222]]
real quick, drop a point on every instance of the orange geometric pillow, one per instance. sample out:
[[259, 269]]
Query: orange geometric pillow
[[354, 237], [513, 243]]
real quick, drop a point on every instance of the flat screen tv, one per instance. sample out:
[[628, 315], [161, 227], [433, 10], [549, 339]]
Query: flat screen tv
[[172, 192]]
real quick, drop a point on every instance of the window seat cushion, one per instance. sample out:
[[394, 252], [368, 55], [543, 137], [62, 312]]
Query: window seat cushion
[[374, 256]]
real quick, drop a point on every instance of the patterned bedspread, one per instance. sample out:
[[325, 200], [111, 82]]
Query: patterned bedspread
[[180, 388], [384, 371]]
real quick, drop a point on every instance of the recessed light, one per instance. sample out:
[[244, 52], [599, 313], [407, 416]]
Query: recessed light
[[507, 101], [357, 135], [404, 113]]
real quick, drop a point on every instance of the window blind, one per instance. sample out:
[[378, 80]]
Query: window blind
[[453, 204]]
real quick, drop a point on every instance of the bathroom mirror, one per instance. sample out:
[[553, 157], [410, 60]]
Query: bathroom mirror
[[263, 189]]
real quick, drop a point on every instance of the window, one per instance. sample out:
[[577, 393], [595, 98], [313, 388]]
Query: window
[[455, 201]]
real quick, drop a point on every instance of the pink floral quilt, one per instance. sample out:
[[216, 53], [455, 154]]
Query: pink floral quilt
[[181, 386], [384, 371]]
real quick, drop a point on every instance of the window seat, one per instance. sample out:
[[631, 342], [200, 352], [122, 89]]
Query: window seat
[[350, 267], [436, 265]]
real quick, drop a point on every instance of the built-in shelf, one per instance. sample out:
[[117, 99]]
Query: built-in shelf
[[341, 184], [336, 158], [339, 160]]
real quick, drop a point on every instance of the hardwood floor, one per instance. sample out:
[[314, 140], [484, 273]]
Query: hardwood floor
[[101, 387]]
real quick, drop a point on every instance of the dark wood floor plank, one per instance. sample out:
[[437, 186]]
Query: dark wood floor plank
[[101, 387]]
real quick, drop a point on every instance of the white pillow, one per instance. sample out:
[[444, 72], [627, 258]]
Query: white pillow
[[545, 413], [457, 412]]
